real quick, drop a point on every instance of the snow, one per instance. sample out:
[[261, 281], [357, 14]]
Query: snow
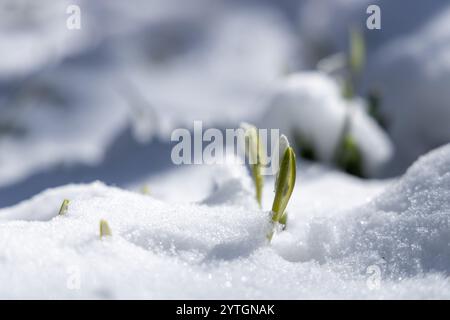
[[412, 72], [218, 248], [308, 102]]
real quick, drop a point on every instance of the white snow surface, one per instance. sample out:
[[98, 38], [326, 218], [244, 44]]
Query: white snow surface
[[63, 122], [338, 227]]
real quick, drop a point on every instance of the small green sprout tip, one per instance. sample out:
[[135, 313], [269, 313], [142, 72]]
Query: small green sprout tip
[[284, 183], [104, 229], [64, 207], [255, 153]]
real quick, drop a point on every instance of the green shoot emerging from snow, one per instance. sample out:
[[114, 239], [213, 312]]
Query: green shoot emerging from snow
[[284, 183], [104, 229], [255, 153], [64, 207]]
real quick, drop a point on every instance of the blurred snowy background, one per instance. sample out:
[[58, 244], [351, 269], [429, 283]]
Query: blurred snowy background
[[100, 103]]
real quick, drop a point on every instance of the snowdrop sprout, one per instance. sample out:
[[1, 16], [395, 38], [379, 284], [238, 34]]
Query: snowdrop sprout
[[254, 151], [284, 182], [348, 156], [64, 207], [105, 230]]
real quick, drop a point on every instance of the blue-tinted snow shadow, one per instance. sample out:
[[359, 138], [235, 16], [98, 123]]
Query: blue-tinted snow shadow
[[125, 161]]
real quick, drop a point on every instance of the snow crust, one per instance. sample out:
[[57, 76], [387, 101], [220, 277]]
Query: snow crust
[[218, 248]]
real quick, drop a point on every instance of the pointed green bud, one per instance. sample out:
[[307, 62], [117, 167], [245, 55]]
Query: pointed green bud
[[104, 229], [283, 145], [64, 207]]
